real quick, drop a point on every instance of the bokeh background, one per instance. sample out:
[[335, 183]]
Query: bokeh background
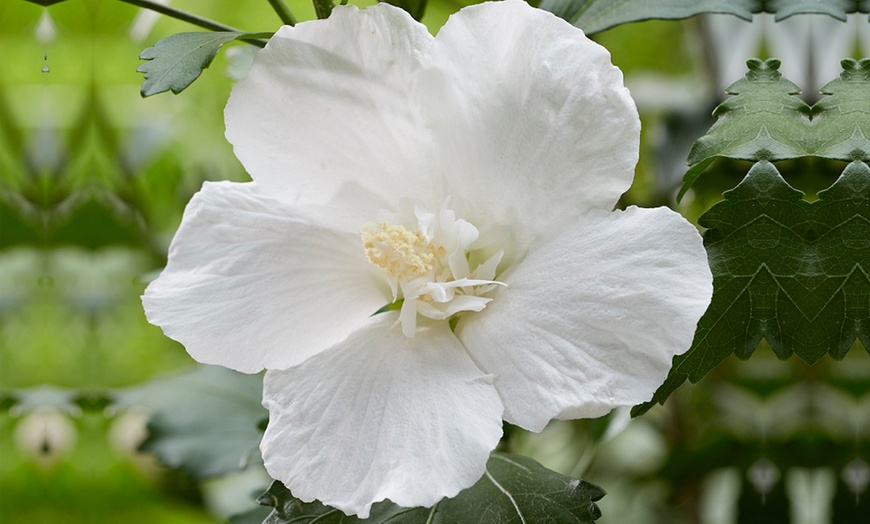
[[93, 181]]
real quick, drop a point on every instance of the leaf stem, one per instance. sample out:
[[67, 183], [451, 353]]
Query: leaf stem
[[190, 18], [211, 25], [283, 11], [323, 8]]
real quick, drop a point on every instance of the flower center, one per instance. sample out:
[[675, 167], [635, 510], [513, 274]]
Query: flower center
[[425, 258], [402, 253]]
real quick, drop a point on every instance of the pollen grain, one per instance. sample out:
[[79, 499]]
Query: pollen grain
[[400, 252]]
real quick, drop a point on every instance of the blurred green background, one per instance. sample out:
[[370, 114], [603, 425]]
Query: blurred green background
[[93, 181]]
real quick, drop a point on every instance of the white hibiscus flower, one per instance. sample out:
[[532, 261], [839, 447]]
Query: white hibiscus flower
[[466, 179]]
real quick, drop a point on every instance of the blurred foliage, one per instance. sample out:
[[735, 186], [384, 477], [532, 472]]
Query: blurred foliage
[[207, 422], [93, 181]]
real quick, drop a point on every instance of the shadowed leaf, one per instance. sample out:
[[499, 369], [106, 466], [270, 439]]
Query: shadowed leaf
[[792, 272], [765, 120], [514, 490], [206, 421]]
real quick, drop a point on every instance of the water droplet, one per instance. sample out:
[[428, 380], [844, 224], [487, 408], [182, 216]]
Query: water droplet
[[45, 69]]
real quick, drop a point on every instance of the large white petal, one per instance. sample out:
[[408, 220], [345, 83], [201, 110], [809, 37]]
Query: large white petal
[[332, 102], [381, 416], [537, 125], [591, 320], [250, 283]]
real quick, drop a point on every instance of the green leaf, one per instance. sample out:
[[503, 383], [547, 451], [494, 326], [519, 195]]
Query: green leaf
[[792, 272], [765, 120], [254, 516], [836, 8], [177, 60], [692, 174], [841, 120], [593, 16], [597, 15], [514, 490], [207, 421]]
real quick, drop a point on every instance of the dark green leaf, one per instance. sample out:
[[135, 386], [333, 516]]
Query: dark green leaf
[[206, 422], [597, 15], [514, 490], [593, 16], [764, 120], [177, 60], [836, 8], [692, 174], [254, 516], [792, 272], [841, 120]]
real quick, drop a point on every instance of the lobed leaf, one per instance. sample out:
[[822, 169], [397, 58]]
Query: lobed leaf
[[593, 16], [514, 490], [792, 272], [835, 8], [177, 60], [206, 422], [841, 119], [765, 120], [597, 15]]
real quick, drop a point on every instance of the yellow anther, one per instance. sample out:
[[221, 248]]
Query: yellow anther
[[402, 253]]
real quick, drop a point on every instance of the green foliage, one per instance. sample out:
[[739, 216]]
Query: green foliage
[[254, 516], [177, 60], [764, 120], [785, 270], [207, 422], [836, 8], [514, 489], [597, 15], [792, 272], [841, 119]]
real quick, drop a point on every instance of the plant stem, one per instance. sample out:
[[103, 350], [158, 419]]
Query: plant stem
[[211, 25], [323, 8], [190, 18], [283, 11]]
